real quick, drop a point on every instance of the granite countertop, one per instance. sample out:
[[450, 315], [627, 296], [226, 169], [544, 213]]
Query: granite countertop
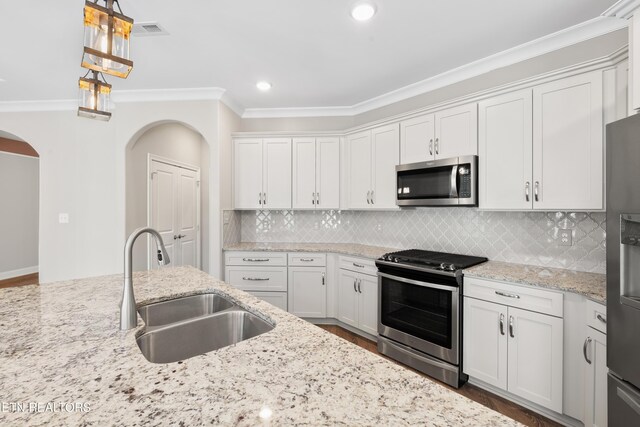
[[60, 343], [354, 249], [591, 285]]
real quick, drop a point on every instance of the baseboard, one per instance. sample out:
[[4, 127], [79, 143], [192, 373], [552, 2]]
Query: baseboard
[[336, 322], [552, 415], [17, 273]]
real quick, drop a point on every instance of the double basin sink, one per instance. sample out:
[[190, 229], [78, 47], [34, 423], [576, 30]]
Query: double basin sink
[[185, 327]]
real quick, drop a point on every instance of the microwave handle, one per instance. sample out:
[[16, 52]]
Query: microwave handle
[[454, 182]]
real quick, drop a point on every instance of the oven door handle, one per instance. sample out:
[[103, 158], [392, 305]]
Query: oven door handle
[[453, 192], [418, 283]]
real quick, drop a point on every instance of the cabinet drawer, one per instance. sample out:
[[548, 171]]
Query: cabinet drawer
[[360, 265], [257, 278], [524, 297], [307, 260], [279, 299], [256, 258], [597, 316]]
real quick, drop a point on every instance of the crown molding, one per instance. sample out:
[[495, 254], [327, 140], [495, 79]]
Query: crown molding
[[227, 100], [623, 9], [156, 95], [567, 37]]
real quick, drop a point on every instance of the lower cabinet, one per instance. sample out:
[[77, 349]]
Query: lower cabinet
[[517, 350], [595, 360], [279, 299], [308, 291], [358, 301]]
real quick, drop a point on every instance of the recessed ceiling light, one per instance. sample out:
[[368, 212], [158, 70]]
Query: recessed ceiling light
[[263, 86], [363, 11]]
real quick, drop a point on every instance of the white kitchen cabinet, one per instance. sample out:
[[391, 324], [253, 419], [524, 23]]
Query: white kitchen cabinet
[[262, 173], [316, 173], [505, 146], [278, 299], [456, 131], [417, 136], [308, 291], [568, 143], [485, 341], [509, 345], [358, 301], [372, 158], [595, 379]]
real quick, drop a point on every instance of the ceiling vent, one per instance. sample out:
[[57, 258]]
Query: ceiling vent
[[148, 29]]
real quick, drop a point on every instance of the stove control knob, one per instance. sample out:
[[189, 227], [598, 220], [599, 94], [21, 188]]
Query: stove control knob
[[395, 259], [451, 267]]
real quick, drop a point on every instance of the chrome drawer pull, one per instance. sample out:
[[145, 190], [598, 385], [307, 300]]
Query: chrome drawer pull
[[255, 259], [307, 259], [504, 294], [255, 279], [358, 265], [322, 279], [584, 349], [601, 318]]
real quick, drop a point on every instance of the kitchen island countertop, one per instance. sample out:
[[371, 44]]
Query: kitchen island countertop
[[61, 343]]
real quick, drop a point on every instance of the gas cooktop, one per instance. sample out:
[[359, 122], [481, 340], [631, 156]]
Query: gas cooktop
[[434, 260]]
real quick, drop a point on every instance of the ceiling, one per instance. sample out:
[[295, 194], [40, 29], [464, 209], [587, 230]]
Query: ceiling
[[313, 52]]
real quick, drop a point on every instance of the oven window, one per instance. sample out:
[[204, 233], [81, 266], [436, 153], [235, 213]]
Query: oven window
[[430, 183], [423, 312]]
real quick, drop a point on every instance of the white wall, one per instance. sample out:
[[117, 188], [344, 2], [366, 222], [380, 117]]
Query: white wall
[[19, 178], [171, 141]]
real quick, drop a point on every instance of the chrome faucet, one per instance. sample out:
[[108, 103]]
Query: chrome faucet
[[128, 315]]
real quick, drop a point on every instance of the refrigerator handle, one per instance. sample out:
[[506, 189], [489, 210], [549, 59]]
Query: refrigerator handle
[[629, 400]]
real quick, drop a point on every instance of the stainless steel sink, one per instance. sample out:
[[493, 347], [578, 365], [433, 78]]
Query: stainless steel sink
[[178, 309], [189, 338]]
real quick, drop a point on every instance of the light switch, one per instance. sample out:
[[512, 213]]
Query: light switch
[[63, 218]]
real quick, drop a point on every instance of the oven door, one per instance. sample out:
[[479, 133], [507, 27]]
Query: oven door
[[419, 314]]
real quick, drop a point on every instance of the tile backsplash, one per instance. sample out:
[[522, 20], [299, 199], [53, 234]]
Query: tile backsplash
[[518, 237]]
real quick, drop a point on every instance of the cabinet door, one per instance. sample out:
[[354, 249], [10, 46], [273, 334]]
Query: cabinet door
[[596, 379], [535, 357], [634, 62], [416, 139], [484, 348], [328, 173], [304, 173], [386, 156], [276, 175], [348, 298], [568, 171], [505, 151], [308, 291], [248, 173], [456, 132], [359, 170], [368, 304]]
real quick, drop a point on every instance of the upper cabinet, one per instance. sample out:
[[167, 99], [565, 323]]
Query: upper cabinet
[[372, 157], [316, 173], [542, 148], [447, 133], [262, 173]]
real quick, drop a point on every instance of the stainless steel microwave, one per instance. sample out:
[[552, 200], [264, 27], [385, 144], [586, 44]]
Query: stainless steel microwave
[[446, 182]]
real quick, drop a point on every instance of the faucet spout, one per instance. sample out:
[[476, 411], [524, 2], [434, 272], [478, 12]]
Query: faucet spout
[[128, 315]]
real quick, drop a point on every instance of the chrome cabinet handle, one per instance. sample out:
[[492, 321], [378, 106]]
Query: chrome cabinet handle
[[535, 191], [313, 198], [354, 285], [255, 279], [359, 283], [504, 294], [260, 198], [264, 199], [584, 349], [322, 279], [526, 191], [511, 327], [307, 259], [317, 199], [175, 237], [368, 199], [501, 324], [358, 265], [373, 200], [256, 259], [601, 318], [431, 147], [437, 146]]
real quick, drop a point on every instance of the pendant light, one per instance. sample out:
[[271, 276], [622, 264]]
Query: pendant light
[[94, 97], [106, 39]]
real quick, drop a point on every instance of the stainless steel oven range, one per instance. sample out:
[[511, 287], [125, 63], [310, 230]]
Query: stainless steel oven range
[[419, 300]]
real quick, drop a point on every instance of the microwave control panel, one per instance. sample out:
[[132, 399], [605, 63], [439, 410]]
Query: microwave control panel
[[464, 175]]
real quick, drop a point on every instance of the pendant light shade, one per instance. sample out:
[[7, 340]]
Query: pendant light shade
[[106, 39], [94, 97]]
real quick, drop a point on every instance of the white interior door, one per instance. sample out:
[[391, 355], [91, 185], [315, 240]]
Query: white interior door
[[174, 210]]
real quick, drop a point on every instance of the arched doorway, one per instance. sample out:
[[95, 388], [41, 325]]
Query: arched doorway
[[19, 217], [165, 164]]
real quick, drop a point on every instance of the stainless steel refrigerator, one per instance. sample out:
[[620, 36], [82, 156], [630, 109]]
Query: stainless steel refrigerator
[[623, 271]]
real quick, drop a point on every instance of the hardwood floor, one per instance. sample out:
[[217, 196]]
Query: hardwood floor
[[29, 279], [497, 403]]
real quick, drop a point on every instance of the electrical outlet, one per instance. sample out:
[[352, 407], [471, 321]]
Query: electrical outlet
[[565, 238], [226, 217], [63, 218]]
